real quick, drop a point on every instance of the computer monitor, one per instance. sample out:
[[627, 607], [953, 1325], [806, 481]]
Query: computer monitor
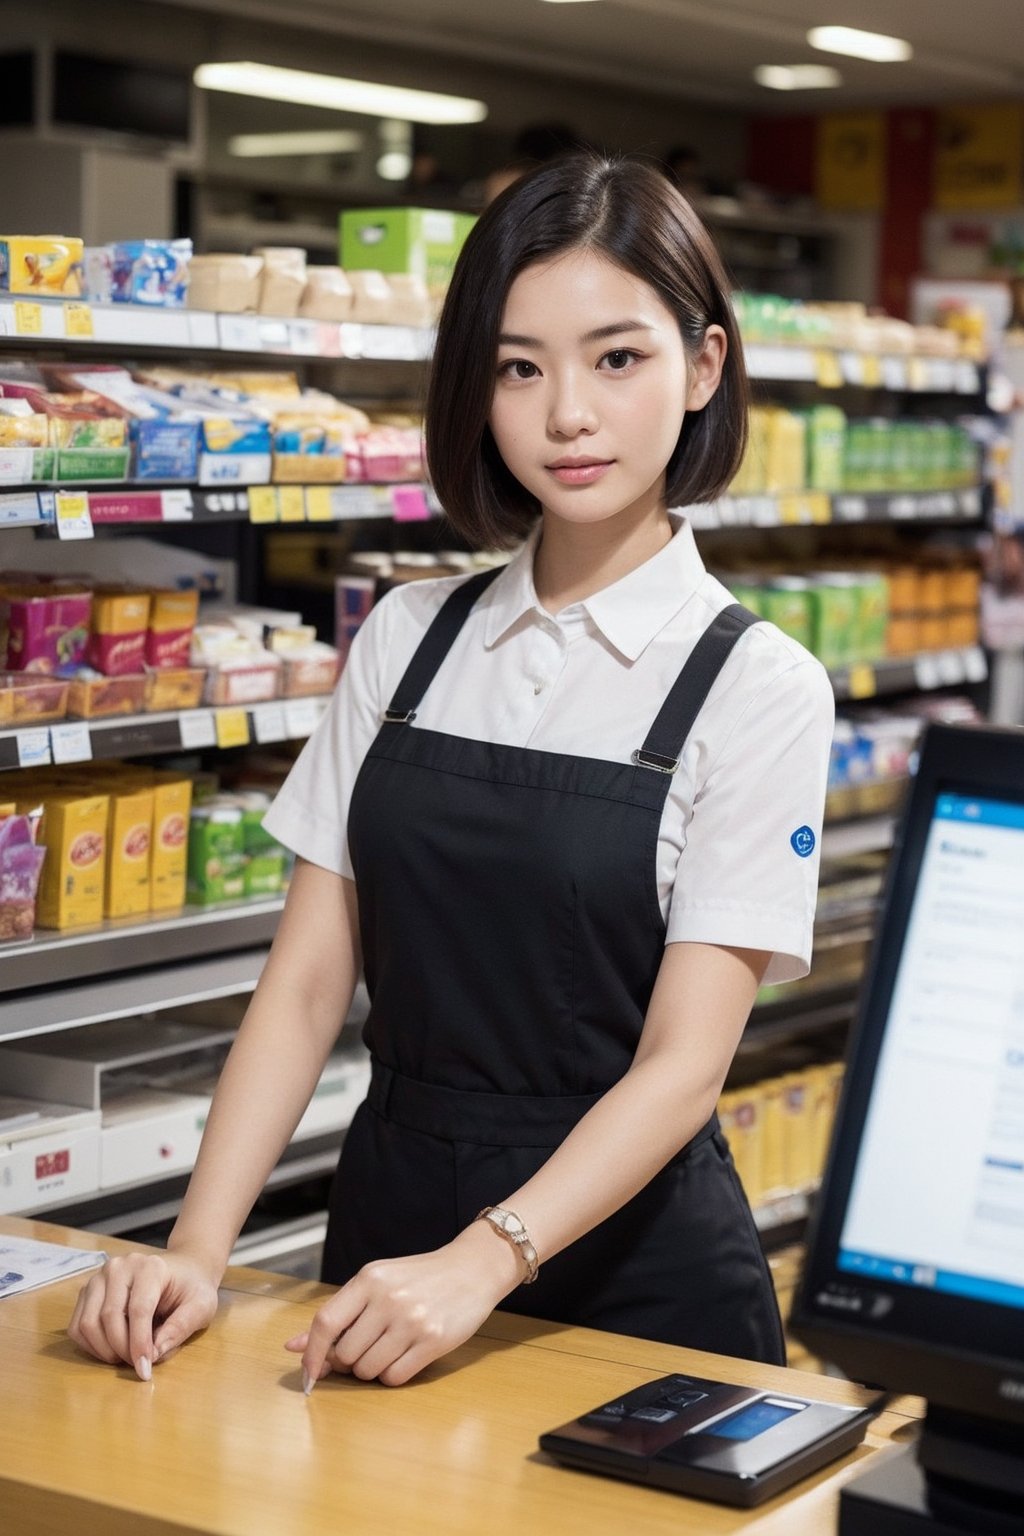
[[914, 1277]]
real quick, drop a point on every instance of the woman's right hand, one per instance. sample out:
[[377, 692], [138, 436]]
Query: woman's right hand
[[140, 1307]]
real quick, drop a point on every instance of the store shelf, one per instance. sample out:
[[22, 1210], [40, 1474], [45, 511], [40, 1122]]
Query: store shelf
[[833, 368], [121, 948], [44, 322], [130, 505], [959, 666], [869, 834], [189, 730], [818, 508], [32, 322]]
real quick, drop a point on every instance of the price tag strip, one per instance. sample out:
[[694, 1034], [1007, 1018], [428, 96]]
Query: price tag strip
[[34, 747], [73, 517], [232, 728], [71, 743], [197, 729]]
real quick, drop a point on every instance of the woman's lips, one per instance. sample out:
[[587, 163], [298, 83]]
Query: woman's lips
[[580, 474]]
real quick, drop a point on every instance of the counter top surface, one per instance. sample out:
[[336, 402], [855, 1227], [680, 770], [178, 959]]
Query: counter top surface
[[223, 1441]]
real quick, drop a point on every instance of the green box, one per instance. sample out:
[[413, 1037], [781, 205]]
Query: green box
[[786, 603], [264, 873], [824, 439], [216, 857], [835, 601], [422, 241], [92, 463]]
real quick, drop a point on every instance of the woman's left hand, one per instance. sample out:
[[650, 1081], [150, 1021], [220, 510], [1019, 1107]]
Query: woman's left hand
[[397, 1315]]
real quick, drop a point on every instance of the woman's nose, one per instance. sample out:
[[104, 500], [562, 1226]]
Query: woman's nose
[[570, 410]]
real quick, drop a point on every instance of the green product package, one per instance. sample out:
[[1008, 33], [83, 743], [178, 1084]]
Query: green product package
[[264, 873], [835, 603], [92, 463], [873, 615], [216, 856], [825, 439], [786, 602], [422, 241]]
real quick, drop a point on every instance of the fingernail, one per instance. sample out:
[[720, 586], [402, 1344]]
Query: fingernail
[[144, 1368], [307, 1382]]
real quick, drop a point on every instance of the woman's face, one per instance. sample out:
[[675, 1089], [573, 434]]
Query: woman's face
[[592, 386]]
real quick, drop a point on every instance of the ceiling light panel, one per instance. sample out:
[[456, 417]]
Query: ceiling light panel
[[797, 77], [270, 83], [875, 46]]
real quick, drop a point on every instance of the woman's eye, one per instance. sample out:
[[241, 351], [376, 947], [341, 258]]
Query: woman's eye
[[620, 359], [518, 368]]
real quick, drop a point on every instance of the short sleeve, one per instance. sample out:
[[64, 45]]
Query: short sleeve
[[748, 875], [310, 812]]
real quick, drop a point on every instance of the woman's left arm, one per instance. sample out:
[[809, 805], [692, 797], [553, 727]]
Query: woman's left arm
[[397, 1315]]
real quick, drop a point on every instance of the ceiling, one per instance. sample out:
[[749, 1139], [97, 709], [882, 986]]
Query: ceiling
[[699, 50]]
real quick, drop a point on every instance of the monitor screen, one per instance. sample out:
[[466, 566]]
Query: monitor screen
[[917, 1253]]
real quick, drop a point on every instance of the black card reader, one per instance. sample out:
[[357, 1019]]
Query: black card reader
[[709, 1439]]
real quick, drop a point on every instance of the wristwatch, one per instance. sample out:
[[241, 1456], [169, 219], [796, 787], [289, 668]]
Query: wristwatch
[[510, 1227]]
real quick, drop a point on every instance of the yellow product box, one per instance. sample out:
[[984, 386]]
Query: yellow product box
[[129, 849], [172, 805], [117, 638], [74, 833], [750, 477], [742, 1123], [773, 1134], [821, 1096], [172, 618], [797, 1139], [785, 453], [44, 265]]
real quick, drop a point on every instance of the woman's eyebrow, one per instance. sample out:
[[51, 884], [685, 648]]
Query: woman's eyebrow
[[616, 328]]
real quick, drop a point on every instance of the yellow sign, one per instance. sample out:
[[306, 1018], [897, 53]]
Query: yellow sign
[[850, 161], [263, 503], [979, 158], [28, 319], [318, 504], [292, 504], [827, 369], [77, 320], [862, 681], [232, 728]]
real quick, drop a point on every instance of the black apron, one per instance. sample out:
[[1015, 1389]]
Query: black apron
[[511, 935]]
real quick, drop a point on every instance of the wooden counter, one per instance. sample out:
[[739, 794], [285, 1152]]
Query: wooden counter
[[222, 1441]]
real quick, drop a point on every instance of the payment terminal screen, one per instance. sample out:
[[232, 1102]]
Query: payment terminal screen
[[938, 1192]]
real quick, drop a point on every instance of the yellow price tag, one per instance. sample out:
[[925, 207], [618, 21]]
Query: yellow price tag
[[28, 319], [318, 504], [828, 369], [232, 728], [74, 518], [917, 373], [819, 506], [291, 503], [862, 681], [872, 366], [77, 320], [263, 503]]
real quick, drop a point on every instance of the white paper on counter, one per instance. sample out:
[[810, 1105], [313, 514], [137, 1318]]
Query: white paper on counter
[[26, 1264]]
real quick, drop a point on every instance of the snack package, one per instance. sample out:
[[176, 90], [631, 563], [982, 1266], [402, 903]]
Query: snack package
[[150, 272], [172, 618], [21, 863], [91, 696], [216, 854], [45, 265], [74, 833], [129, 849], [44, 628], [117, 639], [282, 281], [327, 295], [228, 284]]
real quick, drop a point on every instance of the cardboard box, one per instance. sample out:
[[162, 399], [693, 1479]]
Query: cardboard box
[[43, 265], [129, 850], [172, 805], [74, 833], [421, 241]]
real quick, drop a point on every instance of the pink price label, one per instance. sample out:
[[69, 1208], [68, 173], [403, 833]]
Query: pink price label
[[138, 507], [409, 504]]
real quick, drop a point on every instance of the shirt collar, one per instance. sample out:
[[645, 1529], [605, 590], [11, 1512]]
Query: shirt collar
[[629, 613]]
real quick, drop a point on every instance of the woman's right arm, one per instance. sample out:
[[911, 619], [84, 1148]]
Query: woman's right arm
[[140, 1307]]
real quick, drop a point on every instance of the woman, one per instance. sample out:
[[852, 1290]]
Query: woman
[[564, 817]]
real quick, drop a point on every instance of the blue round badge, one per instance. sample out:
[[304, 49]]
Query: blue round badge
[[802, 842]]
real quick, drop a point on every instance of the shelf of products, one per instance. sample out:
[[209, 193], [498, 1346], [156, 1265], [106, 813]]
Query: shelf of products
[[904, 674], [821, 508]]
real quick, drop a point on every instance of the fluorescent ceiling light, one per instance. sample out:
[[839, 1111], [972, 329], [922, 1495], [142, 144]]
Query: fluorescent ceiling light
[[270, 83], [797, 77], [860, 45], [256, 146]]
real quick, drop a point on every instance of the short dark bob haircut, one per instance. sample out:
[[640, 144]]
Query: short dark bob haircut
[[630, 212]]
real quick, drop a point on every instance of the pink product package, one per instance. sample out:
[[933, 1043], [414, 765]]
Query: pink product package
[[46, 632], [167, 648], [20, 865], [387, 454], [116, 655]]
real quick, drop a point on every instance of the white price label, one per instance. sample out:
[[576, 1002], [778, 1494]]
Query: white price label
[[852, 367], [301, 717], [926, 671], [240, 333], [176, 506], [967, 379], [34, 748], [951, 668], [73, 518], [850, 509], [21, 509], [304, 337], [894, 372], [198, 729], [274, 336], [975, 665], [71, 743], [268, 723], [16, 465], [202, 330]]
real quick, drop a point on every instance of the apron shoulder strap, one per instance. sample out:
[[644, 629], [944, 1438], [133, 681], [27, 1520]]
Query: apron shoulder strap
[[667, 736], [435, 645]]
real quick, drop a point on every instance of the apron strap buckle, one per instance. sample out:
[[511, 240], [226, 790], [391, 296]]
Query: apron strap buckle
[[398, 716], [644, 759]]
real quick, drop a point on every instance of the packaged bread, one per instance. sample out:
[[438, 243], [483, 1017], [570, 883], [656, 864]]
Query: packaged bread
[[227, 284], [327, 295], [371, 298], [282, 281]]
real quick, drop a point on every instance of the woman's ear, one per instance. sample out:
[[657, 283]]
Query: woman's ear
[[705, 372]]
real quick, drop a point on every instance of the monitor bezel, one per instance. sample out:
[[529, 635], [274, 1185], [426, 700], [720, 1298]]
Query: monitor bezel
[[959, 1351]]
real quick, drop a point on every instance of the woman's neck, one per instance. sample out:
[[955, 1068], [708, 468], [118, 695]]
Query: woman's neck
[[574, 560]]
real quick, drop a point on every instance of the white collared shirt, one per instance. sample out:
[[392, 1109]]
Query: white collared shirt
[[735, 864]]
